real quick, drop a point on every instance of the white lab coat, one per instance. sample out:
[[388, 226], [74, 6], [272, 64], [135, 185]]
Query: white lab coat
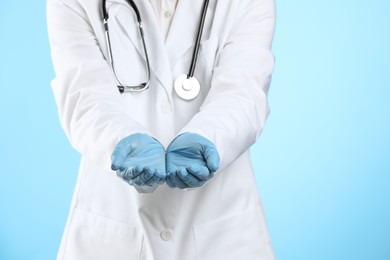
[[108, 219]]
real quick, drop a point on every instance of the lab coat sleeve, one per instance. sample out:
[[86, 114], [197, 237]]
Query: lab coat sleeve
[[235, 109], [90, 107]]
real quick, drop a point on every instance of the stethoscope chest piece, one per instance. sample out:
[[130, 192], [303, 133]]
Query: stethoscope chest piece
[[187, 88]]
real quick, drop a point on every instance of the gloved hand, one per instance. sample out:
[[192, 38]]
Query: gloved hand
[[139, 159], [191, 160]]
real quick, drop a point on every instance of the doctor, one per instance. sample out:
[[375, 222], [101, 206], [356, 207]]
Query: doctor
[[164, 175]]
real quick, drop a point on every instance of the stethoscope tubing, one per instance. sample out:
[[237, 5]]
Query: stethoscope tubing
[[123, 88], [198, 39]]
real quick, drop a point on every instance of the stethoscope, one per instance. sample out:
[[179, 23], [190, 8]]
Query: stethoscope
[[186, 86]]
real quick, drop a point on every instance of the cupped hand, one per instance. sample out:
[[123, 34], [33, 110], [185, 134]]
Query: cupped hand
[[191, 160], [139, 159]]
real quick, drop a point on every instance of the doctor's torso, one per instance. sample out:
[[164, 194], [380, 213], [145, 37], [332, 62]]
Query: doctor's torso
[[222, 220]]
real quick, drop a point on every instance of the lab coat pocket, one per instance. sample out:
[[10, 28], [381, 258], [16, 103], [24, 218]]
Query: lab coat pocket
[[241, 236], [96, 237], [207, 57], [207, 48]]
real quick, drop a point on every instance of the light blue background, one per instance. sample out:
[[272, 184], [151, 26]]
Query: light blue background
[[322, 162]]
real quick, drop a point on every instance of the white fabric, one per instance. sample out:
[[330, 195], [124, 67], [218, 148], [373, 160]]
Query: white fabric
[[164, 11], [108, 219]]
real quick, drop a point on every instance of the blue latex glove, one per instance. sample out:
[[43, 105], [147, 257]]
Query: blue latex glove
[[139, 159], [191, 160]]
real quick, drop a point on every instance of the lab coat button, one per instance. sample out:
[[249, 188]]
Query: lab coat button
[[166, 235], [167, 14]]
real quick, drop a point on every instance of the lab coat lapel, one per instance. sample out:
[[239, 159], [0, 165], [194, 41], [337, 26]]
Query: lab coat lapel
[[159, 62], [183, 30]]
